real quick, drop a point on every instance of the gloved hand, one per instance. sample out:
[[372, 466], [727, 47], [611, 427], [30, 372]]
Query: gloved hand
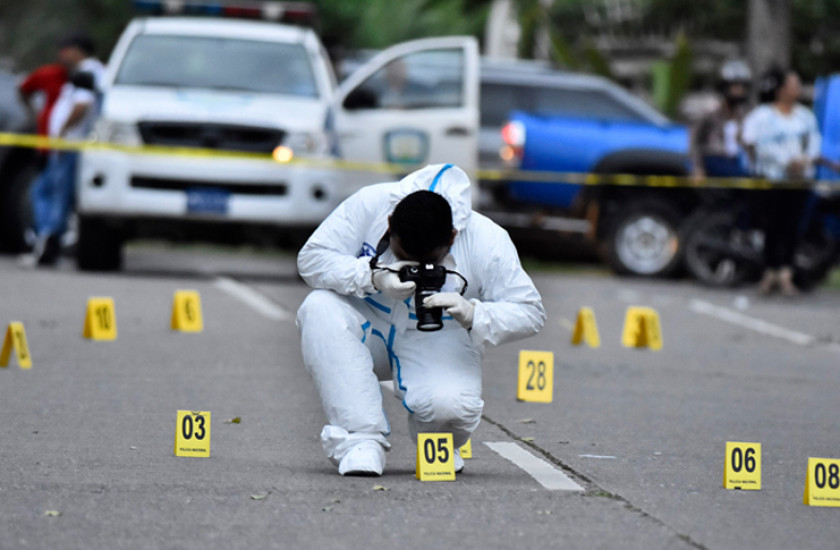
[[455, 305], [388, 282]]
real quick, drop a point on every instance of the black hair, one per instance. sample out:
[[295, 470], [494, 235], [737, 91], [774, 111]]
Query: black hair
[[423, 222], [771, 82], [78, 40]]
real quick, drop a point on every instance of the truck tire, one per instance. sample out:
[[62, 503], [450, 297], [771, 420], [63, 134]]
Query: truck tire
[[99, 245], [16, 209], [717, 253], [643, 239]]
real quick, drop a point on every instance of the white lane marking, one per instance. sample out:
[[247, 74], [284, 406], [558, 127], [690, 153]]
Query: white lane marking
[[547, 475], [627, 295], [724, 314], [566, 324], [254, 299], [597, 456]]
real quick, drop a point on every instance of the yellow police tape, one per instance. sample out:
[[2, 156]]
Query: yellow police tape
[[574, 178]]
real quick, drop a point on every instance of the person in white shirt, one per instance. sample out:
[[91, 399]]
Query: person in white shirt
[[784, 144], [72, 117]]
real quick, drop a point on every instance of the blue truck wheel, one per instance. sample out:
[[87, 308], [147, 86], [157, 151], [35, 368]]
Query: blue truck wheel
[[644, 239]]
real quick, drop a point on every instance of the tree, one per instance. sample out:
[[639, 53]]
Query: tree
[[31, 29], [380, 23]]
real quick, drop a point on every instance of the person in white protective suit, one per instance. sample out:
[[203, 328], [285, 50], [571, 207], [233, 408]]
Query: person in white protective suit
[[359, 325]]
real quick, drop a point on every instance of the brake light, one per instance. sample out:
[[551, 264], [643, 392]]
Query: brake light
[[243, 12], [301, 13], [513, 135]]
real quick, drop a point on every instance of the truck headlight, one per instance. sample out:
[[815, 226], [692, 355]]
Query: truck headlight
[[307, 144], [118, 133]]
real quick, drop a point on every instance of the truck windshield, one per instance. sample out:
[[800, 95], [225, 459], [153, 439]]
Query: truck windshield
[[219, 64]]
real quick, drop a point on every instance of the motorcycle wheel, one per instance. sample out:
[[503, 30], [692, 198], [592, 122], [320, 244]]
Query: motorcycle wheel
[[717, 252]]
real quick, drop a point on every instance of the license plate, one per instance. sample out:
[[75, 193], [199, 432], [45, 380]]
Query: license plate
[[207, 201]]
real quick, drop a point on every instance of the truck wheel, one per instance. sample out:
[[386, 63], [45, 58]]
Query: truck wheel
[[718, 253], [99, 246], [16, 210], [644, 239]]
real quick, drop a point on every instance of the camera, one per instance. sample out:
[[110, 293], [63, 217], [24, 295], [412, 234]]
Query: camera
[[429, 279]]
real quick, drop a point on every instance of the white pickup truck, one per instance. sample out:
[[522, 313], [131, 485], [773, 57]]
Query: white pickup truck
[[253, 86]]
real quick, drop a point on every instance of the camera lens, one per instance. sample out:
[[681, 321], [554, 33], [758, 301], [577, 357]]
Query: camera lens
[[428, 318]]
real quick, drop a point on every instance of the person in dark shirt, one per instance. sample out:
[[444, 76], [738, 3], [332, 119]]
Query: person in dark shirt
[[715, 142]]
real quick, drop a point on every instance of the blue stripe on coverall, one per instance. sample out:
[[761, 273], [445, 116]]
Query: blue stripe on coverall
[[392, 357], [437, 177]]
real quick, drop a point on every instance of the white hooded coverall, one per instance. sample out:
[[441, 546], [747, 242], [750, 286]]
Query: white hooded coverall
[[352, 336]]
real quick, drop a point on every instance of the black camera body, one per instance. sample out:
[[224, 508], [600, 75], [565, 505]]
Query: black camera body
[[429, 279]]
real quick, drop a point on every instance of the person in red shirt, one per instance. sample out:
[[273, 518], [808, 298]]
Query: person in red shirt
[[49, 80]]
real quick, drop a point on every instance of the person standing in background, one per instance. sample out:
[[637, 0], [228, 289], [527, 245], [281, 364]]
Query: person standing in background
[[47, 80], [72, 116], [784, 142], [715, 142]]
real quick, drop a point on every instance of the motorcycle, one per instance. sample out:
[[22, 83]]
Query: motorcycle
[[724, 248]]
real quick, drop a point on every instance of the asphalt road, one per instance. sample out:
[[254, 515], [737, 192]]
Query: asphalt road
[[86, 442]]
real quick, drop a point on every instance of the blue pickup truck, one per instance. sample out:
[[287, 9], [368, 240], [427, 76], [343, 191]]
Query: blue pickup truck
[[587, 124], [584, 124]]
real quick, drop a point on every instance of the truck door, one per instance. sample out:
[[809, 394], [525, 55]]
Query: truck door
[[413, 104]]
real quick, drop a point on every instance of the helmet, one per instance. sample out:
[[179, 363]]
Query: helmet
[[735, 71]]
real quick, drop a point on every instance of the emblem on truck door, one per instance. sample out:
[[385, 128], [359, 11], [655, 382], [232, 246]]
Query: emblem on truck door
[[406, 146]]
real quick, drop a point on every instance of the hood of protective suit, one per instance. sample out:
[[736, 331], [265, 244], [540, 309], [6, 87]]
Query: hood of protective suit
[[445, 179]]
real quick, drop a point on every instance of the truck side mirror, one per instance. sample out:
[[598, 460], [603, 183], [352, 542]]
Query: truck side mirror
[[361, 98]]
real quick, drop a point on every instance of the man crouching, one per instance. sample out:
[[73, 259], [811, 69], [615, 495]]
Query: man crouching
[[383, 249]]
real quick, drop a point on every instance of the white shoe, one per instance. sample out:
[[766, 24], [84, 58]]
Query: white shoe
[[28, 261], [365, 459], [459, 462]]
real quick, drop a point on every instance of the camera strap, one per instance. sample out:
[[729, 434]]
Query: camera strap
[[381, 247]]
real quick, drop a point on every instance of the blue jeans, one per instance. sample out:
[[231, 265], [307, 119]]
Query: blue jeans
[[725, 167], [53, 194]]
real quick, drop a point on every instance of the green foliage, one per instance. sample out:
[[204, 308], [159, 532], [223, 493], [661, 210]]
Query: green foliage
[[717, 19], [381, 23], [597, 61], [562, 51], [815, 37], [571, 46], [529, 15], [31, 28], [680, 75]]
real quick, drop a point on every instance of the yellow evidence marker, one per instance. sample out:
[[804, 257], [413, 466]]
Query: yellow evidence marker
[[466, 449], [642, 329], [822, 483], [192, 434], [15, 339], [435, 457], [586, 330], [743, 466], [536, 376], [100, 320], [186, 311]]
